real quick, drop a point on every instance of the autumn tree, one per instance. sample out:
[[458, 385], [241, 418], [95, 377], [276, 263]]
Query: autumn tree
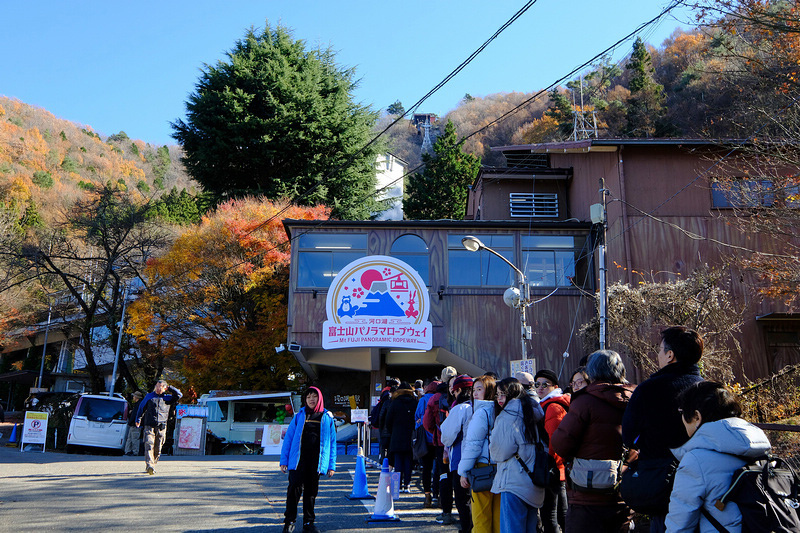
[[94, 252], [440, 190], [217, 299], [279, 120]]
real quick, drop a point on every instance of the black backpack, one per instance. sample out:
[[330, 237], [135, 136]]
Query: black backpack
[[767, 493]]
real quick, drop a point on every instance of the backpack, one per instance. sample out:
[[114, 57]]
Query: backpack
[[767, 493]]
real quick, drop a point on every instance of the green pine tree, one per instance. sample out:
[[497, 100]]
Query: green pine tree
[[440, 191], [646, 102], [278, 120]]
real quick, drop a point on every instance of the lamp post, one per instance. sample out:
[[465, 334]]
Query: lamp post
[[517, 297]]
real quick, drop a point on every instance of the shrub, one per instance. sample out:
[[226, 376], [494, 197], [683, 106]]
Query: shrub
[[43, 179], [143, 187], [134, 149], [86, 186], [69, 164], [63, 136], [16, 121]]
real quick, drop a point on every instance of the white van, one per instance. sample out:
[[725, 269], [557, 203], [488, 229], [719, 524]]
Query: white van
[[100, 421]]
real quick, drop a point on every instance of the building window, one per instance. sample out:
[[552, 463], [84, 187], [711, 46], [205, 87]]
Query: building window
[[742, 194], [413, 250], [554, 260], [320, 256], [467, 268], [533, 205]]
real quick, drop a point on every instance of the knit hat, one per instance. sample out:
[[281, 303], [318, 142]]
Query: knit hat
[[525, 378], [549, 375], [432, 386], [448, 373], [462, 381]]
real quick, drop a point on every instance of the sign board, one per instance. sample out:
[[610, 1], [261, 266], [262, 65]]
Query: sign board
[[34, 429], [523, 365], [359, 415], [377, 301], [272, 438], [191, 433]]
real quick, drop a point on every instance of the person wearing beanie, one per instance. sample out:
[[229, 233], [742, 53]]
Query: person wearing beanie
[[430, 474], [448, 373], [308, 453], [454, 429], [436, 412], [555, 405]]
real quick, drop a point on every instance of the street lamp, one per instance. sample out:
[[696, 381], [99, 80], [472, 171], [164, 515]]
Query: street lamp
[[517, 297]]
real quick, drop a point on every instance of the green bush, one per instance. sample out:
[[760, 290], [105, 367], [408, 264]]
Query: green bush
[[16, 121], [134, 149], [143, 187], [69, 164], [43, 179], [63, 136], [86, 186]]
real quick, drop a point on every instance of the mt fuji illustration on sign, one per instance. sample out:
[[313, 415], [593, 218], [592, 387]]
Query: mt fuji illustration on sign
[[377, 301]]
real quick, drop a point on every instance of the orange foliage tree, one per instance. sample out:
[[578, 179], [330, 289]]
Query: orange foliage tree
[[217, 299]]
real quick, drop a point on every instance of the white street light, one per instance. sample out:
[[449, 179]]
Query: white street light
[[518, 297]]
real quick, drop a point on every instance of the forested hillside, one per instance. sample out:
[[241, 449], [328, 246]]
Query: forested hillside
[[47, 163], [694, 84]]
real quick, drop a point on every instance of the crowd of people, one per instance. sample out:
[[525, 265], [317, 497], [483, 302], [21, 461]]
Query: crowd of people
[[678, 429]]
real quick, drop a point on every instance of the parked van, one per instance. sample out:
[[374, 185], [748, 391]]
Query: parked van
[[236, 417], [100, 421]]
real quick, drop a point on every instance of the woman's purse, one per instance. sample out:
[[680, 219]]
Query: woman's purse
[[595, 475], [647, 484], [545, 472], [481, 478]]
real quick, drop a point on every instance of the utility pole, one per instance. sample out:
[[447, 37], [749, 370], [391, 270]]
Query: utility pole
[[120, 325], [599, 215]]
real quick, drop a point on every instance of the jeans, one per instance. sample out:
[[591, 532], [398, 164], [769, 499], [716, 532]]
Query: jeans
[[462, 497], [517, 516], [607, 518], [657, 524], [303, 482], [445, 482], [427, 469], [402, 464], [554, 509]]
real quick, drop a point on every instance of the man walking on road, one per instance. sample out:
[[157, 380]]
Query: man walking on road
[[154, 409]]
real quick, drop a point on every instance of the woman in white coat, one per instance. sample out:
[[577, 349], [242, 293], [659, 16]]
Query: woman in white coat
[[718, 440], [475, 452], [454, 429], [514, 432]]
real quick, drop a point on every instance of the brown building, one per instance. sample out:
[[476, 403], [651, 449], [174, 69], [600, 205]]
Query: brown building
[[535, 212]]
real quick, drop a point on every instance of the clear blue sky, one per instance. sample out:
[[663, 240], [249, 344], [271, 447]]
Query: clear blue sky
[[130, 65]]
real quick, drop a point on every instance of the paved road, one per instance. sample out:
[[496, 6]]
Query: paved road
[[71, 492]]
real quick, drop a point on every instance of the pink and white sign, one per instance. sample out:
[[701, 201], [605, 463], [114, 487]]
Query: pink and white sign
[[377, 301]]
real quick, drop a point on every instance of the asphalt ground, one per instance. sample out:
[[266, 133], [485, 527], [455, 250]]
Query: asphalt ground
[[55, 491]]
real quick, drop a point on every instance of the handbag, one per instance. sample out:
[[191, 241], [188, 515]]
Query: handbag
[[595, 475], [647, 484], [419, 447], [545, 471], [481, 478]]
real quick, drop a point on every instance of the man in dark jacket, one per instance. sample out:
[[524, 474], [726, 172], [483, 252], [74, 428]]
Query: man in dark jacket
[[134, 433], [652, 423], [154, 414]]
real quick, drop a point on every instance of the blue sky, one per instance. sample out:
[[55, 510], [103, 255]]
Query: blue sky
[[130, 65]]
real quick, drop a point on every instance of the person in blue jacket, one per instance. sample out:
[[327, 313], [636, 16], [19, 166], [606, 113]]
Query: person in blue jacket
[[308, 452]]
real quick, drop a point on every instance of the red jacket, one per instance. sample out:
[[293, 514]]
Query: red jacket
[[554, 410], [592, 429]]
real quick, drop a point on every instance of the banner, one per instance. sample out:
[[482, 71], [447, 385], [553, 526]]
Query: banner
[[377, 301]]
